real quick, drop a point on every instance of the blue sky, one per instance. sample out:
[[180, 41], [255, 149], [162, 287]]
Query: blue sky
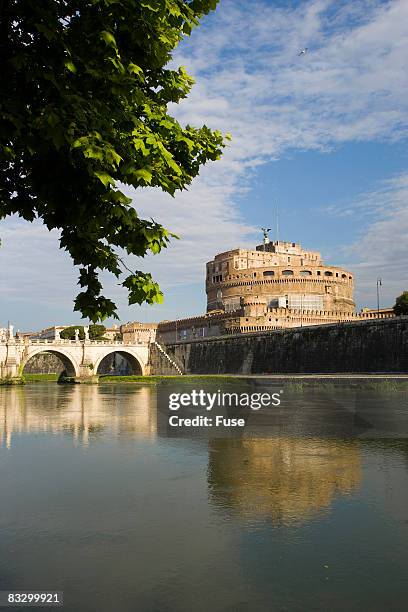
[[323, 135]]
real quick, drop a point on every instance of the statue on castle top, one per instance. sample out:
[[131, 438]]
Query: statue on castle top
[[86, 332], [265, 234], [10, 331]]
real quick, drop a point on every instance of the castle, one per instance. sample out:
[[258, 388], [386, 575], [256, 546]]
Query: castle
[[277, 275], [276, 285]]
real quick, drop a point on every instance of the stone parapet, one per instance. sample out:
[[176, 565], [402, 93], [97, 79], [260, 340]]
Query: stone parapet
[[358, 346]]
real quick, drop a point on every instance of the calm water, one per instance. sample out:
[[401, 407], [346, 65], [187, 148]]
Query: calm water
[[96, 503]]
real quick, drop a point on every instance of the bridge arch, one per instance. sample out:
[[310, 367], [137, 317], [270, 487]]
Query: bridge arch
[[133, 360], [69, 363]]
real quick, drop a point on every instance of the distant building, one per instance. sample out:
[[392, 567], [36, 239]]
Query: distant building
[[21, 335], [112, 333], [139, 332], [382, 311], [49, 333]]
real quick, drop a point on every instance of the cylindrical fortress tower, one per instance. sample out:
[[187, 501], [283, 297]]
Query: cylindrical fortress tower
[[277, 275]]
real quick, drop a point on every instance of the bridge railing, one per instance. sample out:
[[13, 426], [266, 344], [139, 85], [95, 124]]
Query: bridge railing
[[69, 342], [62, 341]]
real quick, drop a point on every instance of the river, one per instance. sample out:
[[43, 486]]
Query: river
[[98, 503]]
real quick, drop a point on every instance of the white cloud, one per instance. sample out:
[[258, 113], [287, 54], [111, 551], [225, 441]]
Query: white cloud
[[350, 86], [28, 254], [381, 250]]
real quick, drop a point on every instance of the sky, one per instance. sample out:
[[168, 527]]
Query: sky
[[319, 137]]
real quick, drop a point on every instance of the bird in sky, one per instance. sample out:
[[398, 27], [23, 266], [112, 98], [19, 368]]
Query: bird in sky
[[303, 51]]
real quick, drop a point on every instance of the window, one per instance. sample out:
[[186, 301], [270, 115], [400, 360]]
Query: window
[[328, 273], [305, 273], [269, 273], [287, 273], [344, 276], [318, 273]]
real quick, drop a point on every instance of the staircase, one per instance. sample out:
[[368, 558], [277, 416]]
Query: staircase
[[167, 357]]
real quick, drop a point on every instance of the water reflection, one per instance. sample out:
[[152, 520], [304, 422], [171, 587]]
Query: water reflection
[[85, 411], [290, 516], [285, 479]]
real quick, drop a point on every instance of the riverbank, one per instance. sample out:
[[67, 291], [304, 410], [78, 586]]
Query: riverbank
[[9, 382], [145, 380], [368, 381], [40, 377]]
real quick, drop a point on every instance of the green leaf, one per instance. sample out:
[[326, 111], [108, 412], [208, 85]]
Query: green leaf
[[105, 178], [134, 69], [109, 38], [144, 174], [151, 6], [70, 66], [187, 28]]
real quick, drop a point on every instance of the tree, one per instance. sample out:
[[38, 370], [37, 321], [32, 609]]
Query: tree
[[96, 332], [84, 91], [401, 304]]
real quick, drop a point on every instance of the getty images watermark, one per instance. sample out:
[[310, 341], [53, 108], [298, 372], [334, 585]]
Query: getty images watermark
[[227, 408], [258, 408]]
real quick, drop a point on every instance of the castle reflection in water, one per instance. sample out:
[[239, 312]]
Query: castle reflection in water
[[285, 479]]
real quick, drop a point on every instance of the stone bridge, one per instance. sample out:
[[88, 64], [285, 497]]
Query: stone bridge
[[81, 358]]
